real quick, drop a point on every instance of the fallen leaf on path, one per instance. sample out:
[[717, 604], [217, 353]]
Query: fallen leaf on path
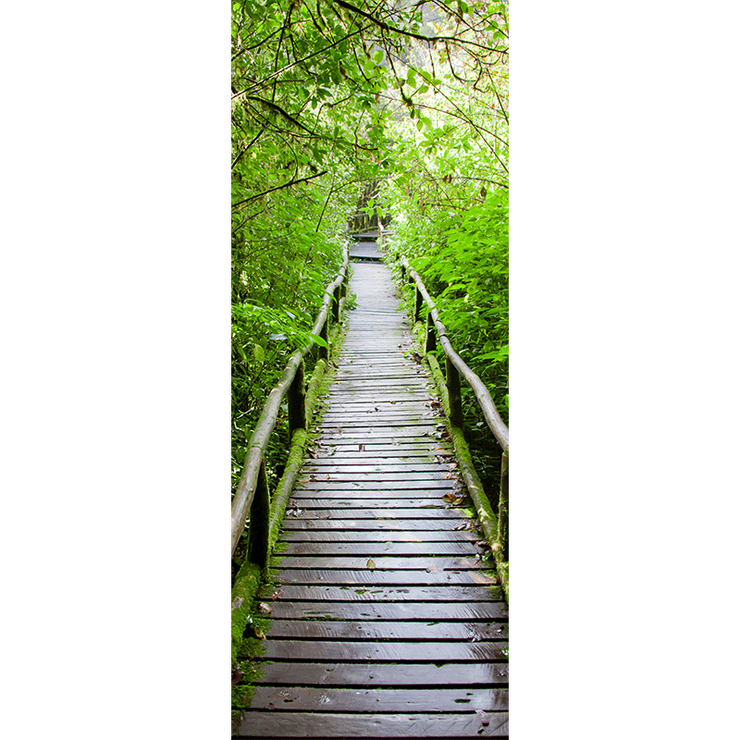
[[371, 564]]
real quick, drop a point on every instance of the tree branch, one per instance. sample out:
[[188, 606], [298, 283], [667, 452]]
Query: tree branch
[[411, 34], [278, 109], [277, 187]]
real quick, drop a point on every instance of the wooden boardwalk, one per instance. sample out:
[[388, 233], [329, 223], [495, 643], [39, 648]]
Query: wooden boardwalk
[[385, 620]]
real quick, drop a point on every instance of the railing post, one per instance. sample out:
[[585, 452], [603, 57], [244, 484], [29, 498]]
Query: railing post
[[453, 393], [259, 524], [297, 401], [418, 301], [335, 303], [503, 508], [431, 340], [324, 334]]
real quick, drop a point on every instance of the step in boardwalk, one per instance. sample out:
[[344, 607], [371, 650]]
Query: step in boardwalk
[[386, 619]]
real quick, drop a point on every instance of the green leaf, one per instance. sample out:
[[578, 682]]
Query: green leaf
[[319, 340]]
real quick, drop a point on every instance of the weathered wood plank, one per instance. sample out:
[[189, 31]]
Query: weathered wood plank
[[397, 455], [406, 445], [394, 513], [397, 432], [381, 548], [288, 629], [405, 476], [380, 700], [381, 536], [395, 495], [426, 594], [408, 525], [430, 651], [344, 467], [376, 421], [351, 500], [307, 724], [377, 485], [383, 674], [366, 577], [362, 611], [380, 562]]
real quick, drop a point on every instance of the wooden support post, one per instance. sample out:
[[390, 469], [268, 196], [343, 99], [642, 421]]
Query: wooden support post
[[453, 394], [431, 340], [418, 302], [259, 524], [297, 401], [335, 303], [324, 334], [503, 508]]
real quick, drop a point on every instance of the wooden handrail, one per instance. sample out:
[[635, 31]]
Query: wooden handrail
[[250, 480], [495, 423]]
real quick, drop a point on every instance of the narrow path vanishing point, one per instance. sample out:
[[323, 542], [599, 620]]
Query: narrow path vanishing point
[[385, 622]]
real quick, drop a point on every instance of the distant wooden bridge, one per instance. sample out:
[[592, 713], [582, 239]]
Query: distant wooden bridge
[[384, 614]]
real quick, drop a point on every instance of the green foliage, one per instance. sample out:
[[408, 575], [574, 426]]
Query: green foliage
[[335, 98]]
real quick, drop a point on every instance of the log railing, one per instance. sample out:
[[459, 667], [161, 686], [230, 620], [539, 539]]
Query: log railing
[[455, 366], [252, 498]]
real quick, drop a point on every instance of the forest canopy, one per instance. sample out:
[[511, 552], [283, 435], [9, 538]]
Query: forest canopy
[[398, 108]]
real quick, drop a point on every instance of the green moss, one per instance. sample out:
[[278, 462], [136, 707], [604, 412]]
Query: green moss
[[486, 515], [502, 566], [248, 580]]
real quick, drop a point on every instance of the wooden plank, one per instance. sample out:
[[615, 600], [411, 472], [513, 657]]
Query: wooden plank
[[380, 700], [377, 577], [382, 536], [410, 453], [377, 594], [395, 513], [361, 610], [355, 630], [410, 434], [396, 525], [333, 467], [429, 651], [383, 674], [381, 562], [351, 500], [373, 461], [342, 477], [375, 422], [358, 485], [395, 495], [402, 447], [381, 548], [387, 396], [307, 724]]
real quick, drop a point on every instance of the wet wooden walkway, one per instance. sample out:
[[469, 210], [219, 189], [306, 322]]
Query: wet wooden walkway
[[385, 619]]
